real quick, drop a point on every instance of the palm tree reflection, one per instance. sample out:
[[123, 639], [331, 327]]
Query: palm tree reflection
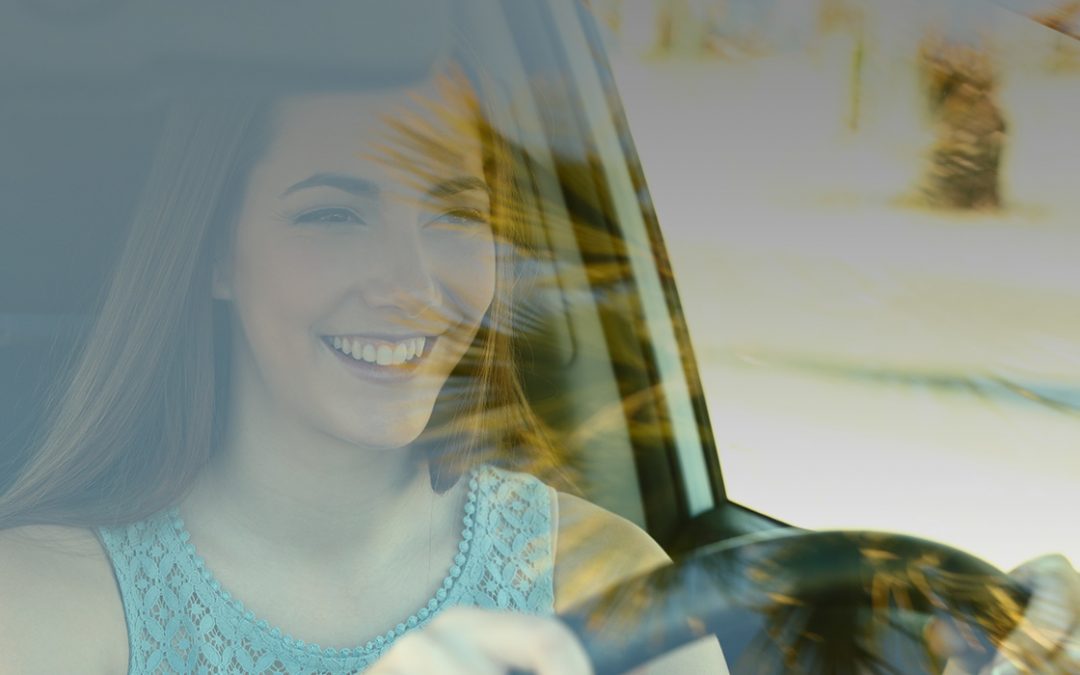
[[835, 603]]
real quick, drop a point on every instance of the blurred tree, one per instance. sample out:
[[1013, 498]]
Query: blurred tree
[[1065, 20], [839, 15], [609, 16], [960, 78], [960, 81], [682, 26]]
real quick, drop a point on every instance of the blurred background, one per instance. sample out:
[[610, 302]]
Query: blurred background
[[873, 213]]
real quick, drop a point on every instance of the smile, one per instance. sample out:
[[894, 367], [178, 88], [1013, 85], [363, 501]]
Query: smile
[[379, 352]]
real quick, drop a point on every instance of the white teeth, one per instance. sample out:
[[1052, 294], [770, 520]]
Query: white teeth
[[357, 350], [383, 354]]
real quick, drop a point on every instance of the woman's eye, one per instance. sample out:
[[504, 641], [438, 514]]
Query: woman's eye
[[463, 218], [331, 216]]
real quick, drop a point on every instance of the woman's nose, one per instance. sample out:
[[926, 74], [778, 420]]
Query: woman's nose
[[400, 275]]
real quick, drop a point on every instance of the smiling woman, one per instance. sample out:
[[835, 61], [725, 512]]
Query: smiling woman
[[307, 234], [352, 253], [301, 377], [374, 287]]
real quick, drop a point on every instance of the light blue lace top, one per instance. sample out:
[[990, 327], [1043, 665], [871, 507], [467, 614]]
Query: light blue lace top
[[180, 619]]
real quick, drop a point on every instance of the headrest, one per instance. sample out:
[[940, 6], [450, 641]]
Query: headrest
[[120, 43]]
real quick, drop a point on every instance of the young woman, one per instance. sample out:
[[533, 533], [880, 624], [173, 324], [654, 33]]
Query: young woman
[[280, 450], [298, 389]]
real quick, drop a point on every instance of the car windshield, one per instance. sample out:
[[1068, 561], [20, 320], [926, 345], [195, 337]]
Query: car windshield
[[353, 269]]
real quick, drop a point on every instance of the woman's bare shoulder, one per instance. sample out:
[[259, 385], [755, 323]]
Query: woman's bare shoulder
[[598, 548], [60, 610]]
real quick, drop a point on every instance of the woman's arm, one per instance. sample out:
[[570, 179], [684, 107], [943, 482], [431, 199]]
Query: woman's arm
[[594, 549], [60, 611], [597, 549], [1047, 640]]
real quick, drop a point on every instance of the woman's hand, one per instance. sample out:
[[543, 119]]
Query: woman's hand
[[468, 641], [1047, 640]]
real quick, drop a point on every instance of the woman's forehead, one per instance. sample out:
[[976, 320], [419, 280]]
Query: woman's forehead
[[413, 133]]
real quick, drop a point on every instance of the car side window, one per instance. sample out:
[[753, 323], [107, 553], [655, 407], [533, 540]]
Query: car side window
[[870, 210]]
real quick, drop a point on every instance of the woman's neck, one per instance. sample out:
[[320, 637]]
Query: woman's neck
[[280, 486], [306, 533]]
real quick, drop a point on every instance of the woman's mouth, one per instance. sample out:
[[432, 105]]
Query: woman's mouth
[[381, 357], [379, 352]]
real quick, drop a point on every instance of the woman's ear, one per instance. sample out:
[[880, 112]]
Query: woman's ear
[[221, 287]]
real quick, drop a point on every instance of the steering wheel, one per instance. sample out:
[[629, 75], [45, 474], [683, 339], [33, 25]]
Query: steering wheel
[[812, 602]]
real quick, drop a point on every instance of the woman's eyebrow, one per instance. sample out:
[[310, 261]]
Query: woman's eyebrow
[[452, 186], [351, 184]]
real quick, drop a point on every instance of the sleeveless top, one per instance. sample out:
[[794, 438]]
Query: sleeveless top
[[180, 619]]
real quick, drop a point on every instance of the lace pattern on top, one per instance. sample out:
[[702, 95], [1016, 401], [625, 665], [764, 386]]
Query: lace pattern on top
[[180, 619]]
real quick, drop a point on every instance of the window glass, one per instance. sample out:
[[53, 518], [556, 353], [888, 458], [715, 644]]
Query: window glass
[[574, 264], [871, 213], [308, 313]]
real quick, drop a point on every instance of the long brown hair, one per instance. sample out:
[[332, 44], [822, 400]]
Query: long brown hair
[[144, 405]]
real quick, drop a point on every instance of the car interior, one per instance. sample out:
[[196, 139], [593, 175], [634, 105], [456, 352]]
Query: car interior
[[604, 350], [604, 354]]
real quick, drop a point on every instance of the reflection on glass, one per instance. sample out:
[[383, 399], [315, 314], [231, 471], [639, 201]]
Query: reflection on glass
[[354, 311]]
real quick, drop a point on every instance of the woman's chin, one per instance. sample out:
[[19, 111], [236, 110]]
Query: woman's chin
[[390, 431]]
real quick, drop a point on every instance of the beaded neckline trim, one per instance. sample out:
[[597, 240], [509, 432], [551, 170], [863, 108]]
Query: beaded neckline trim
[[376, 644]]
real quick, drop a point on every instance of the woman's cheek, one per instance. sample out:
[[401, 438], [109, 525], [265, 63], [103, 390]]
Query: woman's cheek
[[305, 271], [282, 291], [467, 269]]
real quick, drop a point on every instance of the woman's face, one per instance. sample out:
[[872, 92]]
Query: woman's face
[[358, 283]]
